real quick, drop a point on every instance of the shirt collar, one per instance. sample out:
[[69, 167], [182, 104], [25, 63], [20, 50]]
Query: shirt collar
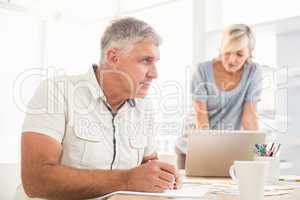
[[95, 89]]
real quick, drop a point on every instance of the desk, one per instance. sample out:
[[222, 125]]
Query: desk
[[293, 194]]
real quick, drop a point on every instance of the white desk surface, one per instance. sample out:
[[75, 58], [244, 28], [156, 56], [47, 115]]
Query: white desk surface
[[292, 194]]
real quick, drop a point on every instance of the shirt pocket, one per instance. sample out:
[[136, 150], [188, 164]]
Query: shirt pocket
[[90, 144], [138, 144], [89, 130]]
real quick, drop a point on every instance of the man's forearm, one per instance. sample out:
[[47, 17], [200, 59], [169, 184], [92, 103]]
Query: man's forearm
[[61, 182]]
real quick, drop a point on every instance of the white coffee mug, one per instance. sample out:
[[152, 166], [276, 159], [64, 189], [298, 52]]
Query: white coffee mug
[[250, 177], [273, 171]]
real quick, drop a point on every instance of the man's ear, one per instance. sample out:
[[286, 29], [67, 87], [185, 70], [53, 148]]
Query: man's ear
[[112, 57]]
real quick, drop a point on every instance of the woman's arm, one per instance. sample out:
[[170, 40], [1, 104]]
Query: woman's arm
[[249, 119], [201, 115]]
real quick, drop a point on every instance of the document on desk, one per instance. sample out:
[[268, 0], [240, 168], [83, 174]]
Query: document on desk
[[270, 190], [186, 191]]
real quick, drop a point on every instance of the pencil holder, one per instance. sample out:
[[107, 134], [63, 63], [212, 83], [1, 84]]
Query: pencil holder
[[273, 170]]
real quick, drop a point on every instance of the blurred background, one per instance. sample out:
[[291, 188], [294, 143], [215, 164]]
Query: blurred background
[[39, 38]]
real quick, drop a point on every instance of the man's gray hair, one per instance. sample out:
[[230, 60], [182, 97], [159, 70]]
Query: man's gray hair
[[124, 33]]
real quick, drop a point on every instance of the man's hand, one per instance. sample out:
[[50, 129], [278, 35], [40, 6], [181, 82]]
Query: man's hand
[[153, 176], [178, 181]]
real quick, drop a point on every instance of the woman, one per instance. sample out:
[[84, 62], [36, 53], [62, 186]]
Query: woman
[[226, 89]]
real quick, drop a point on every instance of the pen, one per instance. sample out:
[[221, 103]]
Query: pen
[[263, 149], [260, 149], [270, 152], [290, 179], [276, 150], [272, 146]]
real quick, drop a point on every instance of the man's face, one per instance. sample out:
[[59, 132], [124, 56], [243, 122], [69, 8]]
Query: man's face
[[234, 61], [138, 68]]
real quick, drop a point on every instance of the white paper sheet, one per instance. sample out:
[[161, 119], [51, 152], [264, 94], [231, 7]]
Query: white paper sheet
[[270, 190], [187, 191]]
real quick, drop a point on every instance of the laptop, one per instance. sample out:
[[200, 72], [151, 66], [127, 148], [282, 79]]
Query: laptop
[[212, 152]]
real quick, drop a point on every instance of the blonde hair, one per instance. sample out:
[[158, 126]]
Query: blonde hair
[[237, 37]]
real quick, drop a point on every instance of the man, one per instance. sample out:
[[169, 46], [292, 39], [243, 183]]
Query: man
[[89, 135]]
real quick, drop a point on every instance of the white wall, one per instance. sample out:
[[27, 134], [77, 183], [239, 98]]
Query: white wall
[[257, 11], [288, 56], [20, 51], [10, 179]]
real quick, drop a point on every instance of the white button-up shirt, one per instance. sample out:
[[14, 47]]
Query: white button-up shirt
[[73, 111]]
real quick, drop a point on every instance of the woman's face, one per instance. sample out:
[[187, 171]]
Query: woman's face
[[234, 61]]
